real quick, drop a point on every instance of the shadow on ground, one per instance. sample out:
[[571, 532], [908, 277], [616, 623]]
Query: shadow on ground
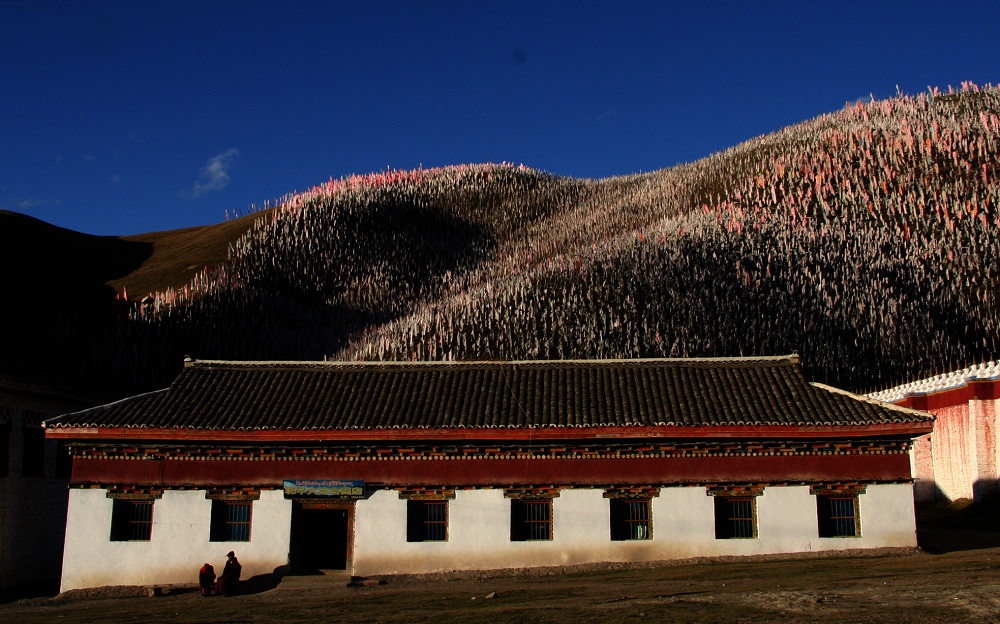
[[949, 526], [263, 582]]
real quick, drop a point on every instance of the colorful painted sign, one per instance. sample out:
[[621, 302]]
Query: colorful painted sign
[[338, 488]]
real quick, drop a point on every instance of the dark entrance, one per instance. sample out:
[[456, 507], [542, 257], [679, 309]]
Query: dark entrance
[[320, 536]]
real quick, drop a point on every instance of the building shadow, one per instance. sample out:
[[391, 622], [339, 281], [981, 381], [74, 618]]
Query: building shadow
[[29, 590], [263, 582], [965, 524]]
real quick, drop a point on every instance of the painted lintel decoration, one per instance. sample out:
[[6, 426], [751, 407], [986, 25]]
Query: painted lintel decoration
[[426, 493], [838, 489], [135, 493], [233, 494], [735, 490], [532, 492], [633, 492]]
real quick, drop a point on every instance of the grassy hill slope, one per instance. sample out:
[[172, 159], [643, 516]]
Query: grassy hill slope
[[866, 240], [176, 256]]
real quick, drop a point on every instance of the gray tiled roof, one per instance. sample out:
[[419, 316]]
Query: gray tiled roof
[[213, 395]]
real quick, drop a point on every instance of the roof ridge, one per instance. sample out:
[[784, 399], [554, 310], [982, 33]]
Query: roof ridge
[[875, 401], [97, 408], [791, 358]]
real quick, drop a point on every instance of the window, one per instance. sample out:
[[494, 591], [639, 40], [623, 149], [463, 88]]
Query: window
[[735, 518], [530, 520], [630, 519], [4, 441], [426, 520], [33, 464], [230, 521], [838, 516], [131, 520]]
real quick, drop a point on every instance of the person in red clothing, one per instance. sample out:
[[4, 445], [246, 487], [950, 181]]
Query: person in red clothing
[[206, 579]]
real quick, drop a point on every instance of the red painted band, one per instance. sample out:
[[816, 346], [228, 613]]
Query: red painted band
[[501, 472]]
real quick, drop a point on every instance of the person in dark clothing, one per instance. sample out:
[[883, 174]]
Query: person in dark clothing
[[206, 579], [229, 583]]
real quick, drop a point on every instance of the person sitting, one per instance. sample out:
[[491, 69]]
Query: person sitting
[[229, 582], [206, 579]]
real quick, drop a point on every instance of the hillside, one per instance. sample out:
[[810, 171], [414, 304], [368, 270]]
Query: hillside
[[64, 288], [176, 256], [866, 240]]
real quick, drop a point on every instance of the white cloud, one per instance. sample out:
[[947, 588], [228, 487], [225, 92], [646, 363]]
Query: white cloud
[[214, 175], [29, 203]]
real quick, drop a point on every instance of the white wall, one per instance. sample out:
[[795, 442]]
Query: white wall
[[178, 544], [683, 526], [683, 523], [478, 533]]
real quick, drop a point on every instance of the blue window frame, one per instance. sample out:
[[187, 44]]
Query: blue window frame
[[131, 520], [231, 521], [530, 520], [426, 520], [735, 517], [838, 516]]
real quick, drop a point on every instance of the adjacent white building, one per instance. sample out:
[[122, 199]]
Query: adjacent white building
[[960, 459]]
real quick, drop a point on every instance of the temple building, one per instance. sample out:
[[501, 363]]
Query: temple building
[[381, 468], [961, 458]]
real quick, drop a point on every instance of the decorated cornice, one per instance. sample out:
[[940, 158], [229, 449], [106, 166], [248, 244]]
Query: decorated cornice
[[756, 448], [448, 492]]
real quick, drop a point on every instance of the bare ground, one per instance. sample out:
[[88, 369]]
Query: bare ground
[[880, 586]]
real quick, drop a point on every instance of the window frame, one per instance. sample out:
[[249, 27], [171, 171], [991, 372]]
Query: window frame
[[223, 528], [419, 523], [5, 417], [127, 525], [523, 527], [830, 525], [728, 523], [32, 450], [624, 527]]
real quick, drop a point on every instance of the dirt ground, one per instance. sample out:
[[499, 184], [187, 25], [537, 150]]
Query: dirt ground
[[881, 586]]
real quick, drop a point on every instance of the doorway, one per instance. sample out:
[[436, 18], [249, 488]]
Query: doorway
[[321, 536]]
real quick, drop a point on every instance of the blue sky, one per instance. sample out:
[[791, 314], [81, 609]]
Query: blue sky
[[129, 117]]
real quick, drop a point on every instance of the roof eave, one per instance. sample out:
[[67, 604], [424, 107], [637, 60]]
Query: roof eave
[[906, 429]]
